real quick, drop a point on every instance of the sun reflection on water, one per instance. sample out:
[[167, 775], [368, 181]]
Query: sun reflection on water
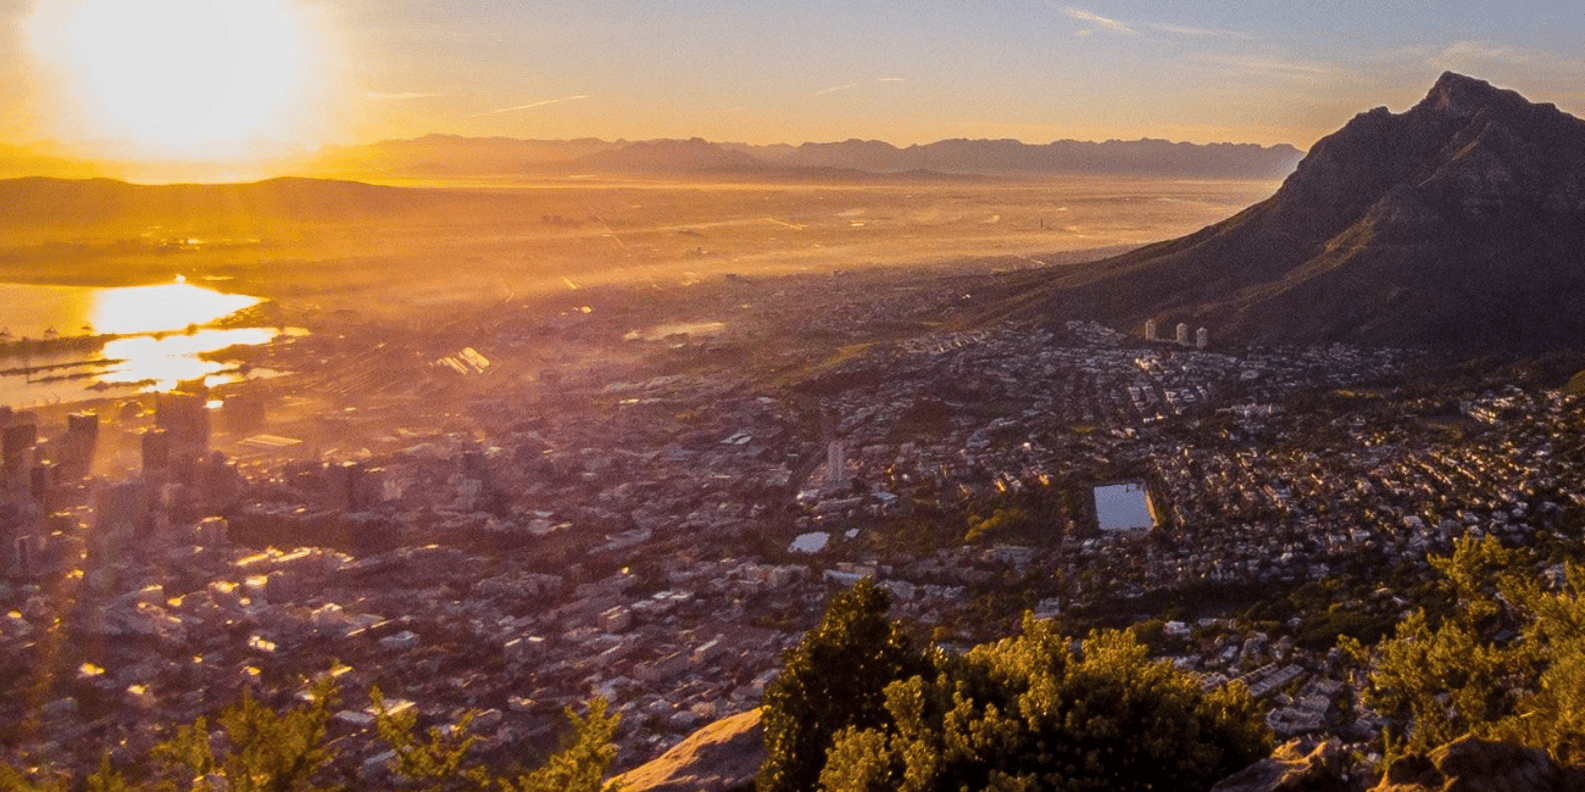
[[161, 308], [163, 362], [144, 338]]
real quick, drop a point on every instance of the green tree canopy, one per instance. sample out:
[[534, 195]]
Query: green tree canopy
[[834, 679], [1506, 663], [268, 751], [1032, 713]]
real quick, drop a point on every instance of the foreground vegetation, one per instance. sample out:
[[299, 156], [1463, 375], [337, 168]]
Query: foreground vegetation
[[1505, 662], [256, 749], [857, 708]]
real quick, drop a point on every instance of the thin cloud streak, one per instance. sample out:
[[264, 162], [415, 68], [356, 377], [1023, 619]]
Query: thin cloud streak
[[381, 96], [1185, 30], [531, 105], [1096, 19], [1269, 67], [834, 89], [1505, 55], [850, 86]]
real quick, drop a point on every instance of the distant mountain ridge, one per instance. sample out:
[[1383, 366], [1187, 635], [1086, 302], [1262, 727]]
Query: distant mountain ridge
[[16, 161], [1012, 157], [1458, 224], [440, 156], [446, 155]]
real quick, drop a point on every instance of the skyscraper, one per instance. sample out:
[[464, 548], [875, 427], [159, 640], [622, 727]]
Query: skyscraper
[[836, 465]]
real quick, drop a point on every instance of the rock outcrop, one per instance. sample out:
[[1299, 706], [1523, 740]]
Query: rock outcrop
[[1471, 764], [1289, 769], [720, 757]]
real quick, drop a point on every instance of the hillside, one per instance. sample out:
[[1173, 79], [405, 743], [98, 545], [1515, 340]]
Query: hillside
[[43, 202], [1458, 225]]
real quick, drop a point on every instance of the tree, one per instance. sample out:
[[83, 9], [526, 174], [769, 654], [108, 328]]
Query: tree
[[1506, 662], [834, 679], [437, 760], [13, 780], [434, 760], [582, 762], [265, 751], [1030, 712]]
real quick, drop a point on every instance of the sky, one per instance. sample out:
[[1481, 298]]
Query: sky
[[903, 71]]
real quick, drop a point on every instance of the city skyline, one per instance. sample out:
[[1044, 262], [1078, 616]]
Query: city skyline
[[185, 78]]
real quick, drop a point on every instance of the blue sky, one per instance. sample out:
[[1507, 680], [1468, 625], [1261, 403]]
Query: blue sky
[[905, 72]]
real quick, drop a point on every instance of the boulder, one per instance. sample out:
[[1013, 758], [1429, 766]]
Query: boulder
[[722, 756], [1290, 769], [1471, 764]]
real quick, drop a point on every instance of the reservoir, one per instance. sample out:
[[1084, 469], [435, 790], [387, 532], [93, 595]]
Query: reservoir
[[64, 343], [1124, 507]]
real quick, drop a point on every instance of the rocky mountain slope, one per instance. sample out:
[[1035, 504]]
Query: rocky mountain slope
[[1458, 224]]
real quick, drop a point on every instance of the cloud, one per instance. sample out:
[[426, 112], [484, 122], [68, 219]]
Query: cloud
[[1106, 24], [530, 105], [1270, 66], [387, 97], [1101, 23], [850, 86], [1486, 53], [834, 89], [1184, 30]]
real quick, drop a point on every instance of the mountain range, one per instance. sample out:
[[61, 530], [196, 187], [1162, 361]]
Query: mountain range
[[447, 155], [1457, 225]]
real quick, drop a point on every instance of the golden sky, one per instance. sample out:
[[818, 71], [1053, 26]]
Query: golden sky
[[201, 79]]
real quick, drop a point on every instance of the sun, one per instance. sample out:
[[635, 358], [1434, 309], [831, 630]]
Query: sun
[[179, 78]]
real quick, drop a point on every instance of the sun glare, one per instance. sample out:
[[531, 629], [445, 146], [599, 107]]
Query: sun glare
[[180, 78]]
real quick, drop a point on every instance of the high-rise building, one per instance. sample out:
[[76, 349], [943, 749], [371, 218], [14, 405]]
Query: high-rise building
[[1201, 338], [1183, 334], [120, 509], [15, 443], [185, 419], [156, 447], [75, 449], [836, 465], [1150, 329]]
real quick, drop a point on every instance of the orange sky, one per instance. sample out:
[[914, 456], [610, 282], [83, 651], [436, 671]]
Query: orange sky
[[178, 79]]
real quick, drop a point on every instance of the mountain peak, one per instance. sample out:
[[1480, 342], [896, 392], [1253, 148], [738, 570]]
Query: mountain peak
[[1457, 226], [1464, 96]]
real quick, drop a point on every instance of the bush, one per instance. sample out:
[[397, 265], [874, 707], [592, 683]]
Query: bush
[[1030, 712]]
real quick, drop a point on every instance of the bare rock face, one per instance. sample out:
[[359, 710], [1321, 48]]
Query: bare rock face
[[1288, 769], [720, 757], [1475, 765]]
